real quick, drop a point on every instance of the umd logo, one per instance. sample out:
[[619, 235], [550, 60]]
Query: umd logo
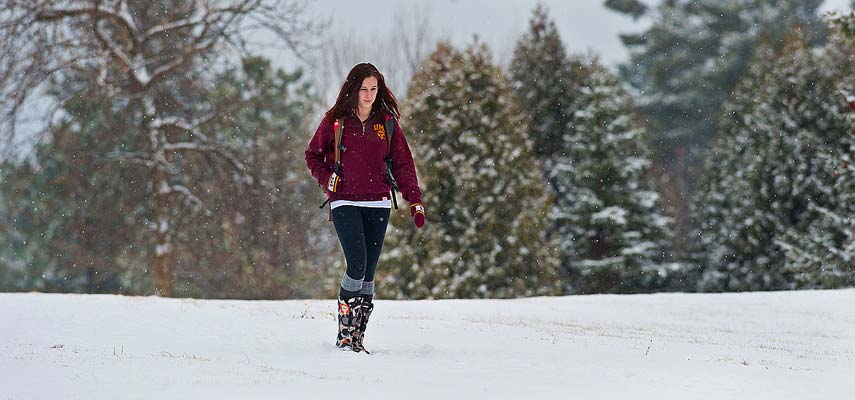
[[380, 130]]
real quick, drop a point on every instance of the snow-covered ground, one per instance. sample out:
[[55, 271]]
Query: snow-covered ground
[[785, 345]]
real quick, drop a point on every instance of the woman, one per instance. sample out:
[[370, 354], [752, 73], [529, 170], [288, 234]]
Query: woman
[[355, 179]]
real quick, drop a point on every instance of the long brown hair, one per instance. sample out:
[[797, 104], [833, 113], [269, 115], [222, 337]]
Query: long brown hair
[[384, 103]]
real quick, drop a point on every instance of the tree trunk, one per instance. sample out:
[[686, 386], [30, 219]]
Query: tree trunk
[[673, 186], [163, 255], [163, 269]]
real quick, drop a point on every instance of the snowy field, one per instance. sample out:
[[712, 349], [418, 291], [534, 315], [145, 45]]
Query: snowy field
[[786, 345]]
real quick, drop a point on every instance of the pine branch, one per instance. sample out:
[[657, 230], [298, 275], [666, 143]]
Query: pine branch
[[634, 8]]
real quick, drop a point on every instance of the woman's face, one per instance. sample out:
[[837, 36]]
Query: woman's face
[[368, 92]]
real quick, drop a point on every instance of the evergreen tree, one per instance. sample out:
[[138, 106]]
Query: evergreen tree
[[686, 64], [82, 221], [153, 61], [73, 217], [607, 215], [765, 174], [484, 195], [634, 8], [844, 22], [258, 241], [824, 255], [604, 214], [540, 78]]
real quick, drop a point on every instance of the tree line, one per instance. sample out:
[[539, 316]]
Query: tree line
[[552, 175]]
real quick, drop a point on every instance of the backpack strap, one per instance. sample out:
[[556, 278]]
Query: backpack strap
[[338, 127], [390, 129]]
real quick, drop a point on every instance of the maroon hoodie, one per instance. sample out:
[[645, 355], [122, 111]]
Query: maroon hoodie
[[363, 166]]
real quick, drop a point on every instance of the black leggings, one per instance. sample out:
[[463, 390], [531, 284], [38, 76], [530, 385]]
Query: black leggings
[[361, 231]]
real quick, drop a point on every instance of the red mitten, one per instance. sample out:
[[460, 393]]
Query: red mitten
[[417, 211]]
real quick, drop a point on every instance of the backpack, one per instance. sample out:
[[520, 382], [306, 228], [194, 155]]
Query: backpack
[[339, 147]]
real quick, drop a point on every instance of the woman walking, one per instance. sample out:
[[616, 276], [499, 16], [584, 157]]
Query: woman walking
[[358, 154]]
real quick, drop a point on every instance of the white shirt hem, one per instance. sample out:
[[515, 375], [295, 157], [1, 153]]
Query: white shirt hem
[[368, 204]]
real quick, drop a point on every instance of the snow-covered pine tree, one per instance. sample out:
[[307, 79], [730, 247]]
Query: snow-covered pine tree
[[684, 66], [765, 176], [723, 209], [72, 216], [594, 155], [608, 217], [824, 255], [688, 61], [539, 78], [485, 199], [845, 22]]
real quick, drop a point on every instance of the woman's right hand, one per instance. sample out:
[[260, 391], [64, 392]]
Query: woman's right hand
[[332, 182]]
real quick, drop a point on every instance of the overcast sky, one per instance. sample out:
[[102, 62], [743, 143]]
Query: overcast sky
[[585, 25]]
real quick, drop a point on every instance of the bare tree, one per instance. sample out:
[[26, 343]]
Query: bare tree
[[412, 44], [398, 53], [333, 59], [144, 55]]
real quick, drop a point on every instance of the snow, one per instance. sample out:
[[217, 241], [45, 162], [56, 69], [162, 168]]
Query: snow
[[781, 345], [615, 214]]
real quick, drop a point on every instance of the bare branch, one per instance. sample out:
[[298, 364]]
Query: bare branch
[[195, 203], [132, 158], [185, 58], [183, 124], [224, 154], [210, 17], [119, 56], [55, 15]]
